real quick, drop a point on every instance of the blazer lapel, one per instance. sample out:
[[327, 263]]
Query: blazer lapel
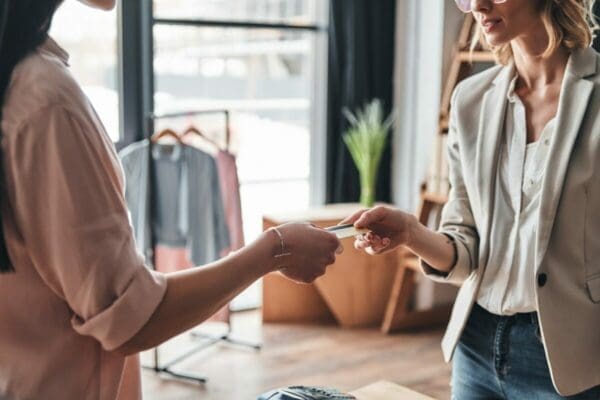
[[574, 98], [491, 125]]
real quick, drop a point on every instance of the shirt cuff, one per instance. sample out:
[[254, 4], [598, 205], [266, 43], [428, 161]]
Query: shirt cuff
[[126, 316], [459, 272]]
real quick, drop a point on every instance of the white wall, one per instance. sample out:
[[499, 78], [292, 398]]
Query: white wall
[[426, 33]]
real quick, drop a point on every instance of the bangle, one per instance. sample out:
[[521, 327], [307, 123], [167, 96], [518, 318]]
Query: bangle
[[283, 253]]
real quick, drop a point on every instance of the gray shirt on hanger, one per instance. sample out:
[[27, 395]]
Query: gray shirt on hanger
[[188, 205]]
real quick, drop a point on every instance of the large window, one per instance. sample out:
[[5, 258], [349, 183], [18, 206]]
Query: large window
[[216, 55], [90, 36], [276, 11]]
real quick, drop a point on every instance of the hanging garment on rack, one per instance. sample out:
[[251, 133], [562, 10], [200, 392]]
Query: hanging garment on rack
[[171, 259], [230, 186], [188, 204]]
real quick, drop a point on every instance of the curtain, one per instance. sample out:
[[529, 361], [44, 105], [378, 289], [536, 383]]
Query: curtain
[[361, 68]]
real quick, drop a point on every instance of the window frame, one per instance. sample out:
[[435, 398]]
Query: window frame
[[136, 83]]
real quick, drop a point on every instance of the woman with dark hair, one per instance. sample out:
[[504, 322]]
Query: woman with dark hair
[[75, 296]]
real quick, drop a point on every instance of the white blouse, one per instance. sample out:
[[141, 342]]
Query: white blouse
[[508, 285]]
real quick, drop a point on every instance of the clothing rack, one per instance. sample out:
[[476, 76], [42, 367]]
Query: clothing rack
[[226, 113], [209, 340]]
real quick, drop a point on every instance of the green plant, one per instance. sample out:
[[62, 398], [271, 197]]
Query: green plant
[[366, 140]]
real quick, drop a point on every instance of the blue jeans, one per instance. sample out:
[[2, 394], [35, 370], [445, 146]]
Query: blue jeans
[[501, 357]]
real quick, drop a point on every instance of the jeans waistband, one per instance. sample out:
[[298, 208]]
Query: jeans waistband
[[530, 317]]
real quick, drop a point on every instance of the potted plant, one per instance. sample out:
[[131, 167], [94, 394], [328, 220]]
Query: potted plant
[[366, 140]]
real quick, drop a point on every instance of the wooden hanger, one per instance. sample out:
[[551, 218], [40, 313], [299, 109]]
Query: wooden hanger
[[164, 134], [192, 130]]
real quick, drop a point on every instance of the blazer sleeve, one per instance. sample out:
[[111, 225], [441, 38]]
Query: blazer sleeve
[[457, 220]]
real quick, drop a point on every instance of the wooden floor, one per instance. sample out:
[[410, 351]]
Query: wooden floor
[[308, 355]]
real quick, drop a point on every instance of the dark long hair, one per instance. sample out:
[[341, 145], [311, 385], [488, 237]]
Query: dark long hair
[[24, 26]]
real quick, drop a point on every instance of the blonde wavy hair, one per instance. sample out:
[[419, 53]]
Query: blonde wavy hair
[[569, 23]]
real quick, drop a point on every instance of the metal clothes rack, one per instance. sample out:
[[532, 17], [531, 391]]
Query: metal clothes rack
[[152, 118], [209, 340]]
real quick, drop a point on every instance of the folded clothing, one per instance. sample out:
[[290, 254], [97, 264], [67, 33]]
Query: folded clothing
[[306, 393]]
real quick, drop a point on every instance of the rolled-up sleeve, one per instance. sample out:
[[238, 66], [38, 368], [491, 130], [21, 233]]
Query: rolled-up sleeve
[[457, 220], [66, 192]]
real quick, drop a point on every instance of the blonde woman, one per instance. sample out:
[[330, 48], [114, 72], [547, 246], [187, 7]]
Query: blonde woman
[[521, 230]]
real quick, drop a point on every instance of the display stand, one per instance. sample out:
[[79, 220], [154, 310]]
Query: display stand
[[208, 340]]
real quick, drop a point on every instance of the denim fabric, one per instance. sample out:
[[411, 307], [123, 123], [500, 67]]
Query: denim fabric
[[502, 357]]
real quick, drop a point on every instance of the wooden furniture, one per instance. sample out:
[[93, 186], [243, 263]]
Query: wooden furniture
[[286, 301], [355, 290], [384, 390], [462, 65], [400, 314], [359, 290]]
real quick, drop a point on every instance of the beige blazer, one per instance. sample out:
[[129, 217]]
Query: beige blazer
[[567, 244]]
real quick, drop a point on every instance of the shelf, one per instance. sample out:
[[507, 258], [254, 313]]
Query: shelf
[[435, 198], [444, 124]]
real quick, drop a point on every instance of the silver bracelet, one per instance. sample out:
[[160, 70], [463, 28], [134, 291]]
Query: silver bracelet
[[283, 252]]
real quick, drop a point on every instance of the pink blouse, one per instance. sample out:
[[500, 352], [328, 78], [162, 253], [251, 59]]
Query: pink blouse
[[80, 289]]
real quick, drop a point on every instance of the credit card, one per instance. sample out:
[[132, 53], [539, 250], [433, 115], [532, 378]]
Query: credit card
[[346, 231]]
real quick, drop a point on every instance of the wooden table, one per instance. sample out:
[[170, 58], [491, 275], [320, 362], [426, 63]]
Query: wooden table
[[358, 290], [355, 291], [388, 391]]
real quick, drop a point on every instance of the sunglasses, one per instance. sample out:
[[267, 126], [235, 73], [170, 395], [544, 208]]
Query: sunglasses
[[465, 5]]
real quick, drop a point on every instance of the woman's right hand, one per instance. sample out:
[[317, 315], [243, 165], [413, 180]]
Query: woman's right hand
[[388, 229], [310, 249]]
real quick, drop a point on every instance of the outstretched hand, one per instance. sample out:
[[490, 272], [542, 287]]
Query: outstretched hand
[[388, 229], [310, 249]]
